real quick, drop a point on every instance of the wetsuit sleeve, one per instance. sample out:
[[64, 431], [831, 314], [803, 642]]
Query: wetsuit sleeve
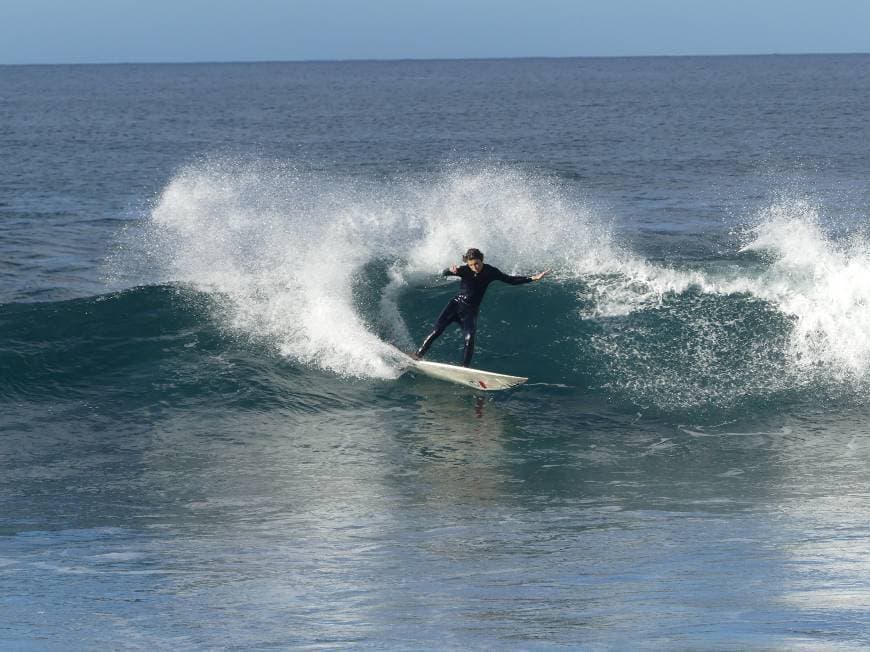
[[499, 275]]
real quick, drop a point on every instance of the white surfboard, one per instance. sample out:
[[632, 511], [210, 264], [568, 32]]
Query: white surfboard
[[487, 381]]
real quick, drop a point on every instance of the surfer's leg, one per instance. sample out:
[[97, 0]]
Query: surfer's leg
[[424, 347], [447, 316], [469, 328]]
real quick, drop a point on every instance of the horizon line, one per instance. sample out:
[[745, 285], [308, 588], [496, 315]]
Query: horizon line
[[435, 59]]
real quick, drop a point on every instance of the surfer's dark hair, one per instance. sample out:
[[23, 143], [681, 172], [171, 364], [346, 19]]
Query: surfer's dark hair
[[472, 254]]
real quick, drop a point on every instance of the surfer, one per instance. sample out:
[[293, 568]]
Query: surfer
[[463, 308]]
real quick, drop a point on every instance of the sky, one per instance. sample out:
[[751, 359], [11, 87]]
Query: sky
[[119, 31]]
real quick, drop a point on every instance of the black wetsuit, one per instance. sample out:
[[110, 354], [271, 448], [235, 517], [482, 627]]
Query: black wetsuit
[[463, 308]]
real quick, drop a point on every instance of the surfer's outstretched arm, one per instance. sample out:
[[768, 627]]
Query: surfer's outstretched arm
[[518, 280]]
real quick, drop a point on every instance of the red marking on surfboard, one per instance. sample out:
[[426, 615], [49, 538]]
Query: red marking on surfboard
[[482, 384]]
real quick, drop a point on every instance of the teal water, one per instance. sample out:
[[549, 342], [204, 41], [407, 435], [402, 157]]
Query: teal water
[[208, 441]]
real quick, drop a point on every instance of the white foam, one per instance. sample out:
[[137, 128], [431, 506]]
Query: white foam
[[822, 282], [282, 261]]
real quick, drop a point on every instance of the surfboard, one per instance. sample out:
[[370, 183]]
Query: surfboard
[[487, 381]]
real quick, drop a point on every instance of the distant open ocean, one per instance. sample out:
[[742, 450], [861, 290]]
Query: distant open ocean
[[207, 440]]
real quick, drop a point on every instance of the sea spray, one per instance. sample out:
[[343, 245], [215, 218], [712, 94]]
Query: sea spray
[[277, 259], [822, 282], [281, 249]]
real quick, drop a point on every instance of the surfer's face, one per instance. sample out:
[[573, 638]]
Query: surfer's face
[[475, 264]]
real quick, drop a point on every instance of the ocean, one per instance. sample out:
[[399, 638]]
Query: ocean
[[209, 438]]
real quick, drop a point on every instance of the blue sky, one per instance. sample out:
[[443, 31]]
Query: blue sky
[[94, 31]]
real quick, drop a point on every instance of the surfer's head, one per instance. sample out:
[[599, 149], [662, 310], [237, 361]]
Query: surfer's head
[[474, 259], [472, 254]]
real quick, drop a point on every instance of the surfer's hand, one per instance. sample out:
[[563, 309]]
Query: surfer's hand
[[453, 269], [540, 275]]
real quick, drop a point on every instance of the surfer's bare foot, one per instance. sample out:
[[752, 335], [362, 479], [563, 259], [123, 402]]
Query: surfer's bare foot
[[415, 355]]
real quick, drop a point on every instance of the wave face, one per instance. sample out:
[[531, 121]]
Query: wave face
[[332, 277]]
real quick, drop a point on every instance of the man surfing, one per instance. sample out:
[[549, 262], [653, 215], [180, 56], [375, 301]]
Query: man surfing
[[463, 308]]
